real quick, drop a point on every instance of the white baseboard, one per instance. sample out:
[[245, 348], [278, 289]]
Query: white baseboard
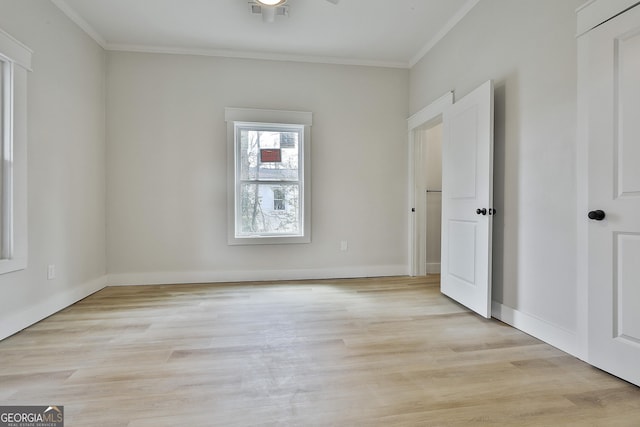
[[170, 277], [560, 338], [16, 322], [433, 268]]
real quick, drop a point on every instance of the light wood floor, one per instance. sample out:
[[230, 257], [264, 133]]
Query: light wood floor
[[365, 352]]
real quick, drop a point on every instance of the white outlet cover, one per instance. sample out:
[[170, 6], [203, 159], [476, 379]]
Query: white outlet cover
[[51, 272]]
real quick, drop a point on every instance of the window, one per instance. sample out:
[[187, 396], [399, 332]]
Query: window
[[268, 180], [269, 189], [15, 61], [278, 199], [5, 188]]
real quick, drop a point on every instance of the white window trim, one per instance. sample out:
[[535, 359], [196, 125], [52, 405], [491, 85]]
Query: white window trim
[[16, 59], [270, 118]]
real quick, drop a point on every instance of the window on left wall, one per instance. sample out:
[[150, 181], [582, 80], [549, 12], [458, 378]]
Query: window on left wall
[[15, 62]]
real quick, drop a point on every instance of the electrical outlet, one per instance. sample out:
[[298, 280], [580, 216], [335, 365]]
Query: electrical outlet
[[51, 272], [344, 245]]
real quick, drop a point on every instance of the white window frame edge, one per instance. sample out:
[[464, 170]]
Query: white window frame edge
[[16, 59], [269, 118]]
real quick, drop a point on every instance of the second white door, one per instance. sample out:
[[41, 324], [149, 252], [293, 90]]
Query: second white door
[[614, 196], [467, 200]]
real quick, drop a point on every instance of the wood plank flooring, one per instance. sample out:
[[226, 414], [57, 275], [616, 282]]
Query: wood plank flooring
[[359, 352]]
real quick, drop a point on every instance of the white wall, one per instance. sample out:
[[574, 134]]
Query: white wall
[[166, 167], [66, 166], [529, 49]]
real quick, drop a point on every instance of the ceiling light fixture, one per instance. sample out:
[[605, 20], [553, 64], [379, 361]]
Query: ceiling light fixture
[[271, 2], [269, 9]]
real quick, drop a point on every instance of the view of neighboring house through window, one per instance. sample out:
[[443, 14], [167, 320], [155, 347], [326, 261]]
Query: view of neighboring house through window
[[269, 179], [5, 165], [3, 64]]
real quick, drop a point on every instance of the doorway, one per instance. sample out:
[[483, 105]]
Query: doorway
[[428, 193], [467, 196], [425, 129]]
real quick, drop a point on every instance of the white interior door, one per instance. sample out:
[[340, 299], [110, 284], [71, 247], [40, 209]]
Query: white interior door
[[467, 200], [614, 191]]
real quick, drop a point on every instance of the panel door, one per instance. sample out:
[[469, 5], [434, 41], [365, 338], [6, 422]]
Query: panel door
[[467, 200], [614, 196]]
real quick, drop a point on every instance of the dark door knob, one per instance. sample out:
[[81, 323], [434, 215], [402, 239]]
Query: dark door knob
[[597, 215], [482, 211]]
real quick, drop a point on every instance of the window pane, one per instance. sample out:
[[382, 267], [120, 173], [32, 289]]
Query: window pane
[[279, 199], [269, 208], [1, 99], [269, 155], [4, 243]]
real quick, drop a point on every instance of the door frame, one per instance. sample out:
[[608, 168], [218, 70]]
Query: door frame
[[588, 17], [431, 114]]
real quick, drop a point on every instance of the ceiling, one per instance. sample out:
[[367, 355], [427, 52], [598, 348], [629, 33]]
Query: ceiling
[[392, 33]]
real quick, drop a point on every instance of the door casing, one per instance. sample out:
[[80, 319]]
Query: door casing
[[430, 115]]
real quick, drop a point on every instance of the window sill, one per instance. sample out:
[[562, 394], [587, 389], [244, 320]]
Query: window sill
[[268, 240], [11, 265]]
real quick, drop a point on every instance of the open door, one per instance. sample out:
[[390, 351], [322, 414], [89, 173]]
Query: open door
[[467, 200]]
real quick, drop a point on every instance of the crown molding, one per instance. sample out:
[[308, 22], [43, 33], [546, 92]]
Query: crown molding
[[227, 53], [80, 22], [448, 26]]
